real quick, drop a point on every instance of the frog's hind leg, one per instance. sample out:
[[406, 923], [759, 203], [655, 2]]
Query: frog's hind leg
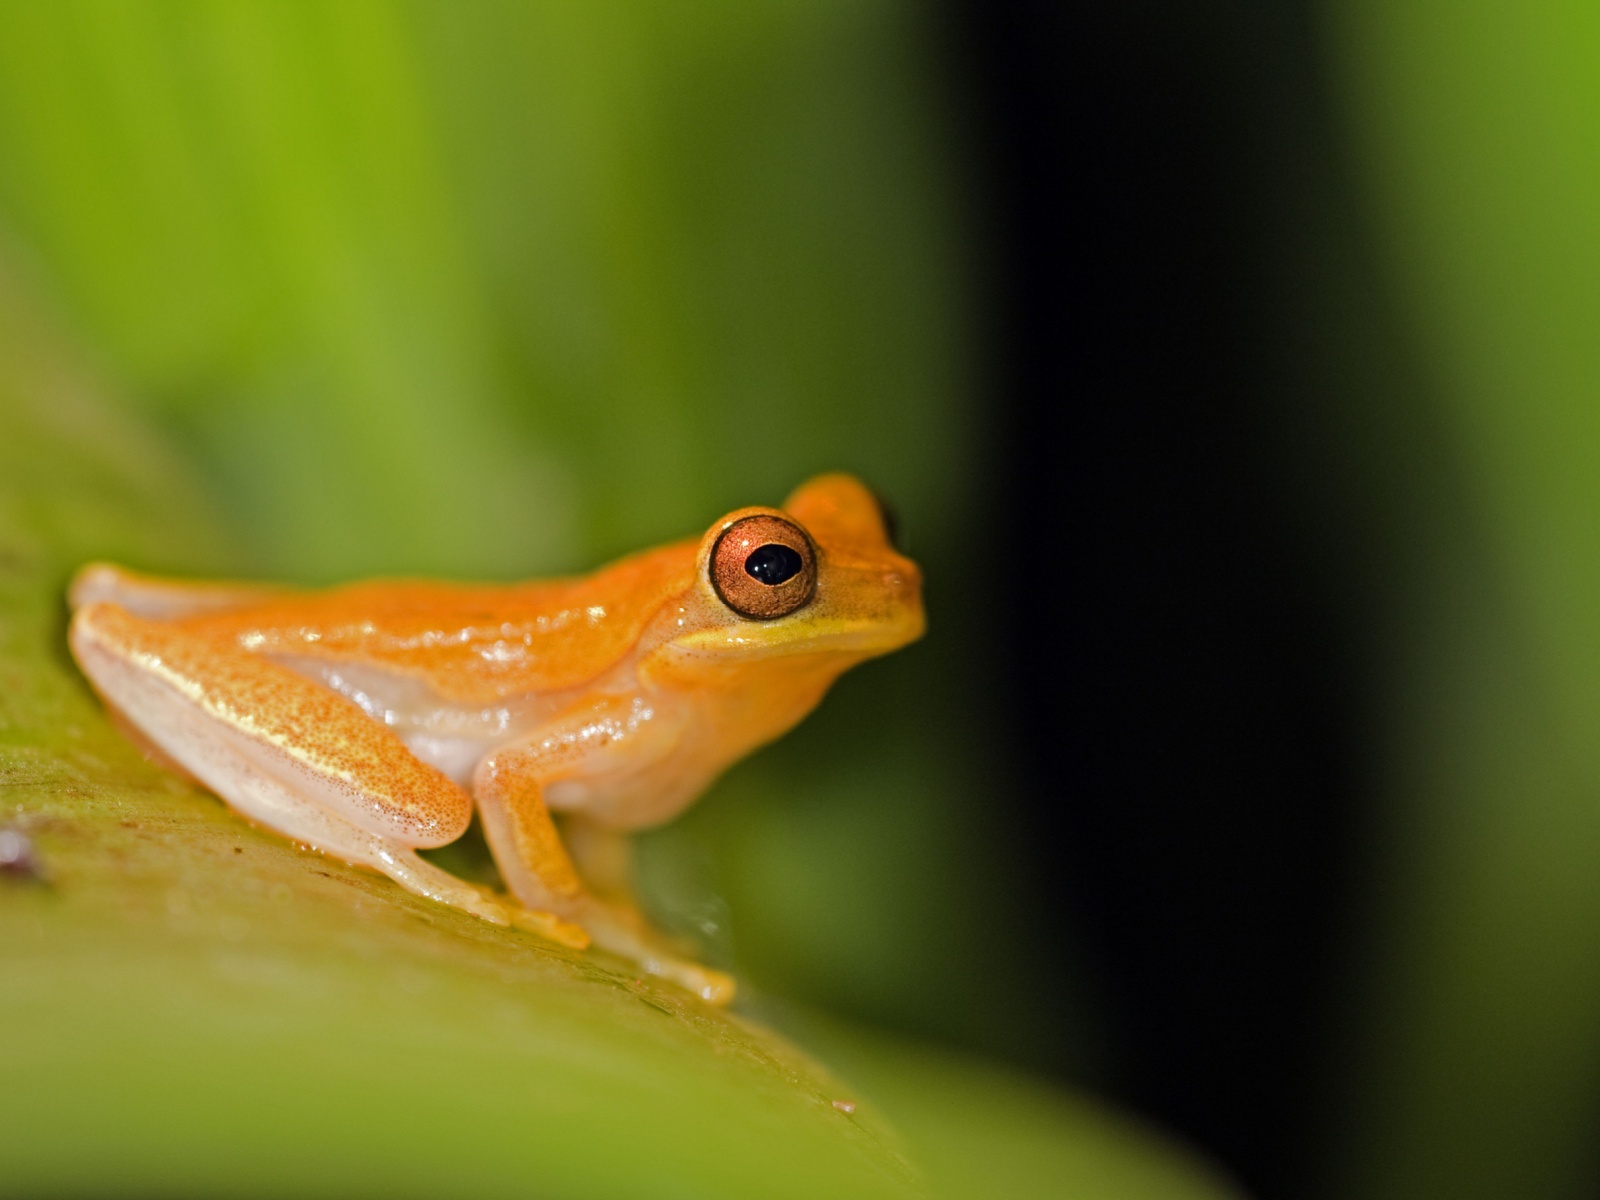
[[162, 599], [285, 752]]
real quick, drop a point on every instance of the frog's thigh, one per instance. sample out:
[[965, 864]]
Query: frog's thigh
[[149, 596], [279, 749]]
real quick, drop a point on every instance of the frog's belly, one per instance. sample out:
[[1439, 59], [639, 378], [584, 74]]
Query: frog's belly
[[449, 737]]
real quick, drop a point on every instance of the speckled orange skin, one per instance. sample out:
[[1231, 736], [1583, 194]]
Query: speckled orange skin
[[367, 720], [472, 644]]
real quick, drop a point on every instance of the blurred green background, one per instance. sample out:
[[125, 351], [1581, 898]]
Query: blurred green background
[[500, 290]]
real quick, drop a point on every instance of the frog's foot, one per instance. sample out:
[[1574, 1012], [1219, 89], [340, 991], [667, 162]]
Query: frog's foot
[[402, 865], [549, 926], [416, 874], [326, 832], [622, 931]]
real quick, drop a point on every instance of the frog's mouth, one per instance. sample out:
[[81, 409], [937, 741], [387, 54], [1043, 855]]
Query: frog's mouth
[[870, 636], [810, 634]]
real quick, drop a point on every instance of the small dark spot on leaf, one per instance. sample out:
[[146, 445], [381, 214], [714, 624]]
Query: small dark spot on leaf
[[238, 849]]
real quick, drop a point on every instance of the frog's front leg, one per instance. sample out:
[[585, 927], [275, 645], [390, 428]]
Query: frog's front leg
[[286, 753], [585, 748]]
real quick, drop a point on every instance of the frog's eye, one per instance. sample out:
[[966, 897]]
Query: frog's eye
[[764, 567]]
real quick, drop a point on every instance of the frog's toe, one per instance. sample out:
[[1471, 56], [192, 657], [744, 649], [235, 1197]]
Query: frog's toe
[[714, 987], [550, 926], [620, 930]]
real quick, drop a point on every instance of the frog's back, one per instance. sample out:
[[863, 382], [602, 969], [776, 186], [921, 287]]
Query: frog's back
[[472, 643]]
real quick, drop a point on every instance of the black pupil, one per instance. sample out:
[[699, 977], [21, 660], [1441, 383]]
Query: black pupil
[[773, 564]]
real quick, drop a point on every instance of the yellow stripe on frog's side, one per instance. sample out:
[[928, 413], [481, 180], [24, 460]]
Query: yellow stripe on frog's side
[[315, 728]]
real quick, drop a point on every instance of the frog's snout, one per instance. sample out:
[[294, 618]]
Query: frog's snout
[[904, 587], [901, 584], [904, 582]]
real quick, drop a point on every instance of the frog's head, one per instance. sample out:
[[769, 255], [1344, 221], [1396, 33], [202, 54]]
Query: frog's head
[[817, 583]]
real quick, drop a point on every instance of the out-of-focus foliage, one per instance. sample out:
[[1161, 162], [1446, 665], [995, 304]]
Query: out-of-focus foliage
[[1476, 138]]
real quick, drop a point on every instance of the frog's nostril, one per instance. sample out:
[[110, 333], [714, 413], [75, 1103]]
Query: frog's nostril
[[901, 583]]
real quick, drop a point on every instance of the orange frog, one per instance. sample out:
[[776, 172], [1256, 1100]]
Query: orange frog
[[366, 720]]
